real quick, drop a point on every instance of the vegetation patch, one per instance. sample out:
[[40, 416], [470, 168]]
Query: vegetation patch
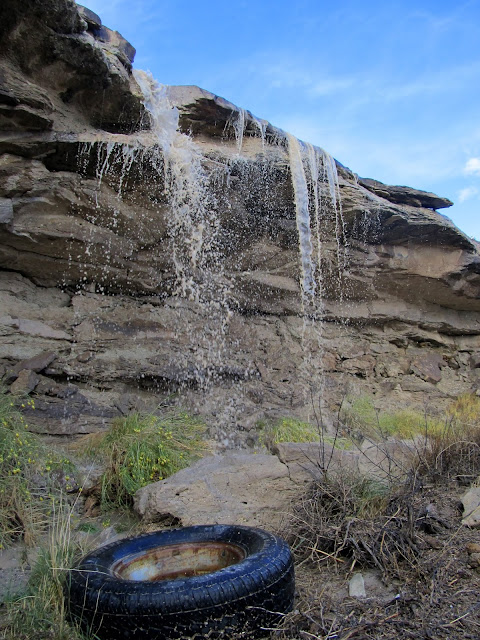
[[31, 475], [362, 420], [39, 611], [408, 534], [294, 430], [454, 450], [140, 449]]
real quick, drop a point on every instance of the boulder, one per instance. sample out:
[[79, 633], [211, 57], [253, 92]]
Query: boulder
[[25, 383], [37, 363], [389, 459], [235, 488], [307, 461]]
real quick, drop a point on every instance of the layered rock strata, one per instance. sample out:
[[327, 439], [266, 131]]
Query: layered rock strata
[[88, 283]]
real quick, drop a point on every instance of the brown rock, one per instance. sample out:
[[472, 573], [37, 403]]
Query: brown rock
[[471, 508], [389, 459], [474, 560], [309, 460], [25, 383], [428, 367], [37, 363], [405, 195], [240, 488], [475, 360], [92, 19]]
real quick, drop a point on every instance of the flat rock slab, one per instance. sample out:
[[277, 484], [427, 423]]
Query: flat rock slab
[[234, 488]]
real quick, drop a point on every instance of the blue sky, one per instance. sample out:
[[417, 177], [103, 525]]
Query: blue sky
[[391, 89]]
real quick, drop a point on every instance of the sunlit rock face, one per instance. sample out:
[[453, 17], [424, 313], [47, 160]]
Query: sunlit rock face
[[147, 282]]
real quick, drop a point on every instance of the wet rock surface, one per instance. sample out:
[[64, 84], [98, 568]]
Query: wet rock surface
[[88, 273]]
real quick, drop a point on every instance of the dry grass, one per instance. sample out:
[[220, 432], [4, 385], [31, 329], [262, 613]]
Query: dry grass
[[453, 452], [409, 534], [31, 475], [39, 611], [354, 521]]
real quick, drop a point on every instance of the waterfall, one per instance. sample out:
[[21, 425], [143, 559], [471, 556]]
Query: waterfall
[[193, 233], [192, 247], [302, 207], [317, 201], [317, 198], [193, 225]]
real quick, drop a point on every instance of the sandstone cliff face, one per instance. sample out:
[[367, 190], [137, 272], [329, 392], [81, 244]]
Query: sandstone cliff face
[[92, 317]]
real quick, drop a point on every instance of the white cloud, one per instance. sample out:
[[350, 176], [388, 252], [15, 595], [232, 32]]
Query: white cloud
[[467, 193], [327, 86], [473, 166]]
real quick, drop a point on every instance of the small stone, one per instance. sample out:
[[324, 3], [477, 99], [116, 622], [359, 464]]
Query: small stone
[[471, 508], [473, 547], [85, 356], [25, 383], [474, 560], [356, 586]]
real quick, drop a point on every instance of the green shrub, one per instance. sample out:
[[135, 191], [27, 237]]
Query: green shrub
[[287, 430], [294, 430], [451, 445], [140, 449], [30, 475], [363, 420], [454, 450]]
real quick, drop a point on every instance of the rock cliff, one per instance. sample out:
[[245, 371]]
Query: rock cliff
[[111, 300]]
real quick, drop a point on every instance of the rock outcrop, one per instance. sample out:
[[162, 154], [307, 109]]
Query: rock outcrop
[[90, 272], [252, 490], [259, 489]]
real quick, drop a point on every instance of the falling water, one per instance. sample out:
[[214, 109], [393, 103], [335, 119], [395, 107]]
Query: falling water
[[193, 221], [316, 189], [315, 183], [261, 126], [239, 128], [302, 207], [193, 229], [193, 225], [239, 120]]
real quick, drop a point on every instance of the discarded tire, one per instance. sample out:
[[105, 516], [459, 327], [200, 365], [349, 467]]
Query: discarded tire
[[205, 581]]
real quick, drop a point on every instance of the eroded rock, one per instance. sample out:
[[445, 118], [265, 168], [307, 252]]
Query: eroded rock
[[88, 270], [254, 490]]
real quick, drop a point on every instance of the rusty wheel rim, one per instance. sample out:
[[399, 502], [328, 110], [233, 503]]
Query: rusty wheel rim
[[176, 561]]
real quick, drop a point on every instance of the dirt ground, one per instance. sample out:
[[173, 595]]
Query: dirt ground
[[432, 593]]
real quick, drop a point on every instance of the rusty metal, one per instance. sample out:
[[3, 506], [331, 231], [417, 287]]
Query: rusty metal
[[174, 561]]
